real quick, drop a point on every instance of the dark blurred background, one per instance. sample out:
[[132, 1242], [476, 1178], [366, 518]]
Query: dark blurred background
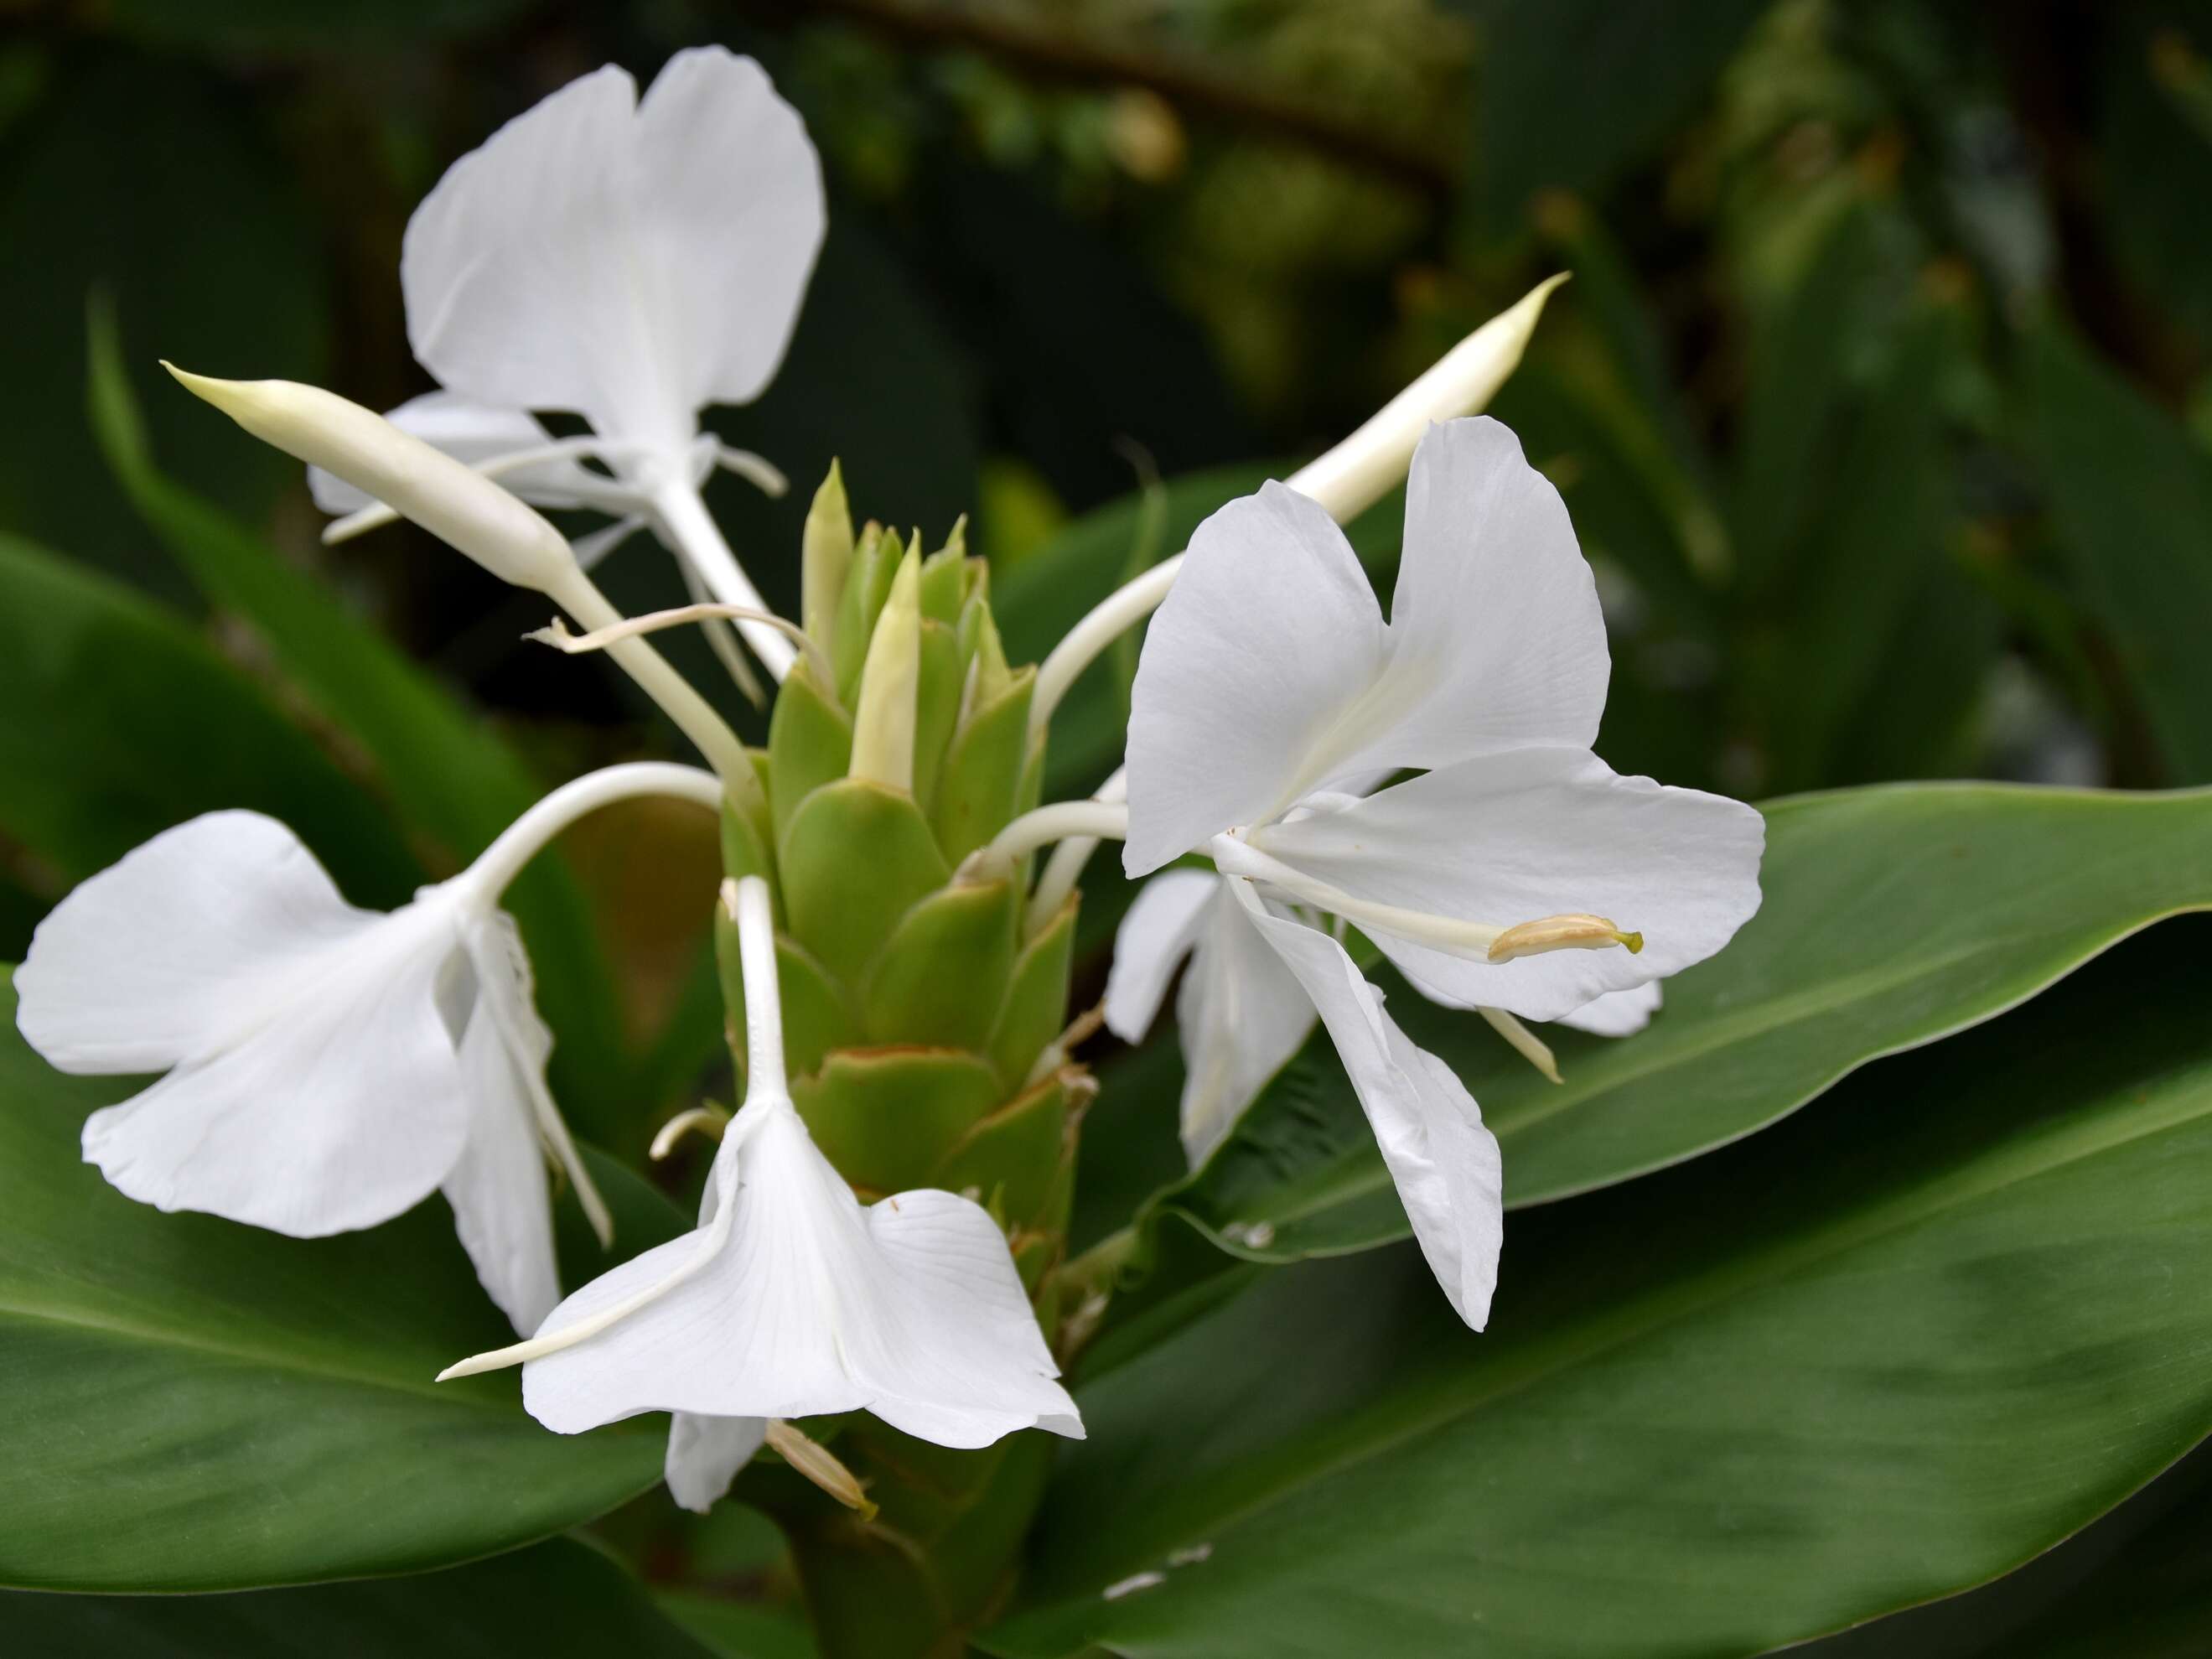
[[1879, 396]]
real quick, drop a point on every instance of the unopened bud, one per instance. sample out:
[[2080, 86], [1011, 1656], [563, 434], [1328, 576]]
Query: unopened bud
[[1571, 933], [825, 557], [452, 502], [811, 1458], [884, 721]]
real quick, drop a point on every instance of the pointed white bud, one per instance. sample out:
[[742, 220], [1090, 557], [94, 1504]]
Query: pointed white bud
[[451, 501]]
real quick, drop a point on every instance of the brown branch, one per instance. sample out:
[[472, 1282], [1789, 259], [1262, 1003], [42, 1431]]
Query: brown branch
[[1040, 55]]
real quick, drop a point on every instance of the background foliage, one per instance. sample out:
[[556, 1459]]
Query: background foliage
[[1880, 401]]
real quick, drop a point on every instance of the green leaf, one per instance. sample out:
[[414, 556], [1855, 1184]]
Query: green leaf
[[450, 778], [2131, 495], [536, 1599], [139, 726], [193, 1405], [1575, 92], [1892, 917], [1887, 1352]]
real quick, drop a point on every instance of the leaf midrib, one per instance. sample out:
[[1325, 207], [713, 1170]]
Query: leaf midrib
[[157, 1338], [1734, 1280]]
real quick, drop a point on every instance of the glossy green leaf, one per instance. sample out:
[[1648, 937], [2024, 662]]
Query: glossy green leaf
[[885, 1116], [1892, 917], [810, 743], [2131, 497], [1887, 1352], [941, 978], [140, 726], [1036, 1009], [194, 1405], [451, 778], [537, 1599]]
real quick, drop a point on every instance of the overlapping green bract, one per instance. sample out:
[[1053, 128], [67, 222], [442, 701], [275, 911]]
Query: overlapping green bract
[[922, 1016]]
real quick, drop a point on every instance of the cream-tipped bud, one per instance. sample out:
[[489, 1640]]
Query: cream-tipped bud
[[452, 502], [1372, 462], [811, 1458], [883, 723], [825, 557], [1569, 932]]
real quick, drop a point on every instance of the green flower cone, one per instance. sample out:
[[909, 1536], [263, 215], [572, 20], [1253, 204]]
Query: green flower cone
[[922, 1022]]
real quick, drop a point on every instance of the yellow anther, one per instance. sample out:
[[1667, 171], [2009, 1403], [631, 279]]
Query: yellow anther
[[1571, 933]]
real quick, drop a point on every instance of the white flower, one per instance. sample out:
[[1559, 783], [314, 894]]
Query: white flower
[[328, 1068], [1269, 682], [629, 259], [793, 1300]]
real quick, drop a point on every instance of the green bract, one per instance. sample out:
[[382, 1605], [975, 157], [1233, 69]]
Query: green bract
[[920, 1012]]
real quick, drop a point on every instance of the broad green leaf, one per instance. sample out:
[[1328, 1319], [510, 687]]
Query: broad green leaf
[[139, 724], [2131, 496], [451, 778], [737, 1629], [2139, 1581], [539, 1600], [1886, 1352], [193, 1405], [1574, 93], [1894, 916]]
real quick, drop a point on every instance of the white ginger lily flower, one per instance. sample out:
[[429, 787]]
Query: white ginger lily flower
[[793, 1299], [1269, 681], [629, 259], [328, 1066]]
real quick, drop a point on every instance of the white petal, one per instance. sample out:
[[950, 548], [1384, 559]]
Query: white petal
[[630, 263], [706, 1453], [1444, 1163], [1242, 1015], [343, 1109], [473, 433], [732, 214], [1617, 1014], [1269, 635], [188, 940], [1153, 939], [502, 1203], [1496, 637], [1529, 833], [809, 1305]]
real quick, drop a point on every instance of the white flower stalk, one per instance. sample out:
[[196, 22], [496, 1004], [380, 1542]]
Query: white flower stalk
[[477, 518], [792, 1299], [328, 1066], [629, 259]]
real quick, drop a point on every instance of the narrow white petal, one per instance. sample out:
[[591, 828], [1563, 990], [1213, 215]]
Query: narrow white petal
[[811, 1305], [1527, 833], [502, 1206], [1153, 939], [1617, 1014], [706, 1453], [1242, 1014], [199, 934], [1496, 637], [1269, 635], [343, 1109], [1444, 1163], [473, 433]]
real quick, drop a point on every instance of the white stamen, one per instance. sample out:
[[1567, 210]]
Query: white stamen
[[1525, 1042], [557, 635], [1040, 827], [1065, 867]]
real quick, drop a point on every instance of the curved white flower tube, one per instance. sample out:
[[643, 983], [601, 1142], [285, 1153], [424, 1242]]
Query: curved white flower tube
[[328, 1066], [792, 1299], [632, 259]]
